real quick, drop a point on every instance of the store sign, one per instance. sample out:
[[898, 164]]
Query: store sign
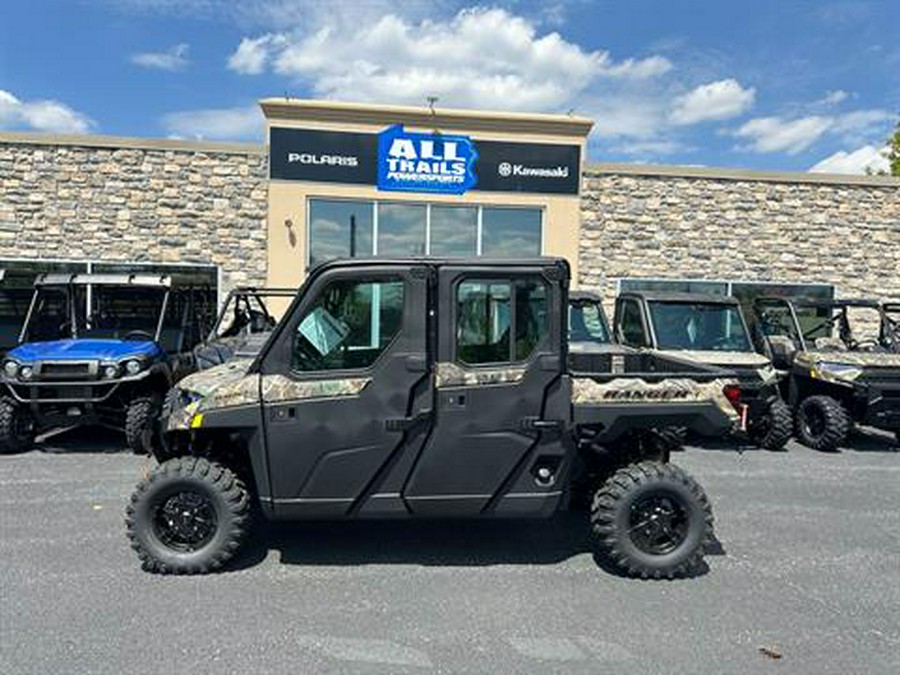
[[397, 160], [414, 162]]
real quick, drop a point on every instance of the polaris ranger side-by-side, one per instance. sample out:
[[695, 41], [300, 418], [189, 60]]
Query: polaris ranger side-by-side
[[422, 389], [709, 329], [98, 349], [836, 376], [242, 327]]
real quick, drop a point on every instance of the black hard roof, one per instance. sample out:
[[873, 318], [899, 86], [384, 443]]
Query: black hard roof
[[473, 262], [584, 296], [669, 296]]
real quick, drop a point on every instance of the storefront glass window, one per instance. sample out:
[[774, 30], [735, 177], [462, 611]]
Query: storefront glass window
[[339, 229], [401, 229], [454, 231], [511, 233]]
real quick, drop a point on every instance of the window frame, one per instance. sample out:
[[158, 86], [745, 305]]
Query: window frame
[[373, 203], [510, 279], [649, 339], [375, 276]]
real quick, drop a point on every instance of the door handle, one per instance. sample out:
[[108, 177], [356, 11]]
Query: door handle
[[537, 424], [407, 423]]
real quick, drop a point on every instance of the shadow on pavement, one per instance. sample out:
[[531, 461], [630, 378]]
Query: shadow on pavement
[[429, 543], [81, 440]]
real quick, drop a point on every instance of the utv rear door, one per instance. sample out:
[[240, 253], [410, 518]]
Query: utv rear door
[[501, 396], [346, 391]]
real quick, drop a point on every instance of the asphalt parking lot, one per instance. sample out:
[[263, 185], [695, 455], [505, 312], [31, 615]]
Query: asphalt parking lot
[[806, 580]]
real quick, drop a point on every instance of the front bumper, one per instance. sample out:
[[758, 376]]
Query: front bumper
[[52, 392]]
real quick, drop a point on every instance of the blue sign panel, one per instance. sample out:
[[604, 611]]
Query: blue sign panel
[[414, 162]]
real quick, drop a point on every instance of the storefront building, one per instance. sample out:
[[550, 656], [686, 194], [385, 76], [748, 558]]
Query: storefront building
[[341, 179], [364, 180]]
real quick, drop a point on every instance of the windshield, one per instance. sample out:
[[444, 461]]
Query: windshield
[[836, 327], [699, 327], [117, 313], [587, 323]]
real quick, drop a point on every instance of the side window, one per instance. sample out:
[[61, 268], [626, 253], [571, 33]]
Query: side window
[[351, 323], [500, 321], [631, 325]]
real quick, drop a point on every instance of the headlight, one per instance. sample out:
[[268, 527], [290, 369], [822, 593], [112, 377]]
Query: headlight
[[26, 372], [828, 370], [109, 372], [133, 367], [11, 368]]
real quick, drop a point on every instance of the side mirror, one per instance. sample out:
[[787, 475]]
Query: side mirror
[[782, 350]]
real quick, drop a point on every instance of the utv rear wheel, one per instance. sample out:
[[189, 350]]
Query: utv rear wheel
[[651, 520], [141, 418], [16, 427], [189, 516], [773, 430], [822, 423]]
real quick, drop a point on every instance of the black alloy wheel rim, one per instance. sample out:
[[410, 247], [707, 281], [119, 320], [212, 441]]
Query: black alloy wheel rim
[[185, 521], [814, 422], [658, 523]]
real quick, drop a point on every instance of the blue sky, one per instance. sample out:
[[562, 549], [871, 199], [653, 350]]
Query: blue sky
[[764, 84]]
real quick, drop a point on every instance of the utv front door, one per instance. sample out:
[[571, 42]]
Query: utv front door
[[346, 391], [501, 397]]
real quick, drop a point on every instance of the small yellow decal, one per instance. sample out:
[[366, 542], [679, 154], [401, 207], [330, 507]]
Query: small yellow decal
[[197, 421]]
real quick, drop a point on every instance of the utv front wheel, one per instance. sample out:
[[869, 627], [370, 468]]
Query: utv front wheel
[[773, 430], [651, 520], [822, 423], [189, 516], [16, 427], [141, 418]]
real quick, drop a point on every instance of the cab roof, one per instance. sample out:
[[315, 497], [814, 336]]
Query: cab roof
[[143, 280]]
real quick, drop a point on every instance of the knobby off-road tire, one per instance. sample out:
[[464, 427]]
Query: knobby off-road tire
[[141, 418], [16, 427], [189, 516], [775, 429], [822, 423], [651, 520]]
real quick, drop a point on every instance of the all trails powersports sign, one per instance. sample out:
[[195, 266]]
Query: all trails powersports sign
[[397, 160]]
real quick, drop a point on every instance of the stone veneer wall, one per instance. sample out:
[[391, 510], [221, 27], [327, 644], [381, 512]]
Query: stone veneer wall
[[165, 201], [781, 228]]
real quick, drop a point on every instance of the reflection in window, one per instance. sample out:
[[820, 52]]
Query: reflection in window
[[454, 231], [511, 233], [401, 229], [351, 323], [485, 330], [698, 326], [339, 229]]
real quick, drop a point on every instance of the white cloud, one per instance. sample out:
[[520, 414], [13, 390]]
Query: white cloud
[[252, 55], [485, 58], [174, 58], [834, 97], [776, 134], [862, 160], [48, 116], [719, 100], [240, 123]]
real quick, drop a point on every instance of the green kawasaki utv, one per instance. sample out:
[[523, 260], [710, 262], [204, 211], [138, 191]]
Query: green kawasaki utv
[[836, 375]]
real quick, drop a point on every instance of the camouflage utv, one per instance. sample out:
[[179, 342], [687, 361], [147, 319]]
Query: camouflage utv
[[837, 376], [710, 330]]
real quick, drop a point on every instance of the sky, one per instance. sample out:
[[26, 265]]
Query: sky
[[793, 85]]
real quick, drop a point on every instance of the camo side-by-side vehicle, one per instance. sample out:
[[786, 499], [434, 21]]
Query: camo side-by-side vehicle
[[429, 389], [836, 376], [242, 327], [711, 330], [98, 349]]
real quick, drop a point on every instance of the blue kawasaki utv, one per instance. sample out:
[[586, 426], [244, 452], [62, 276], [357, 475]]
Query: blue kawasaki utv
[[100, 349]]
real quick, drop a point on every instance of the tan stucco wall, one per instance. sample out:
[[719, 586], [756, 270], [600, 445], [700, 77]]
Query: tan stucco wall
[[287, 261]]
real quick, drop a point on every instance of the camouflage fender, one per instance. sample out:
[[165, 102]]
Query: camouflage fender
[[586, 391], [862, 359], [453, 375]]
